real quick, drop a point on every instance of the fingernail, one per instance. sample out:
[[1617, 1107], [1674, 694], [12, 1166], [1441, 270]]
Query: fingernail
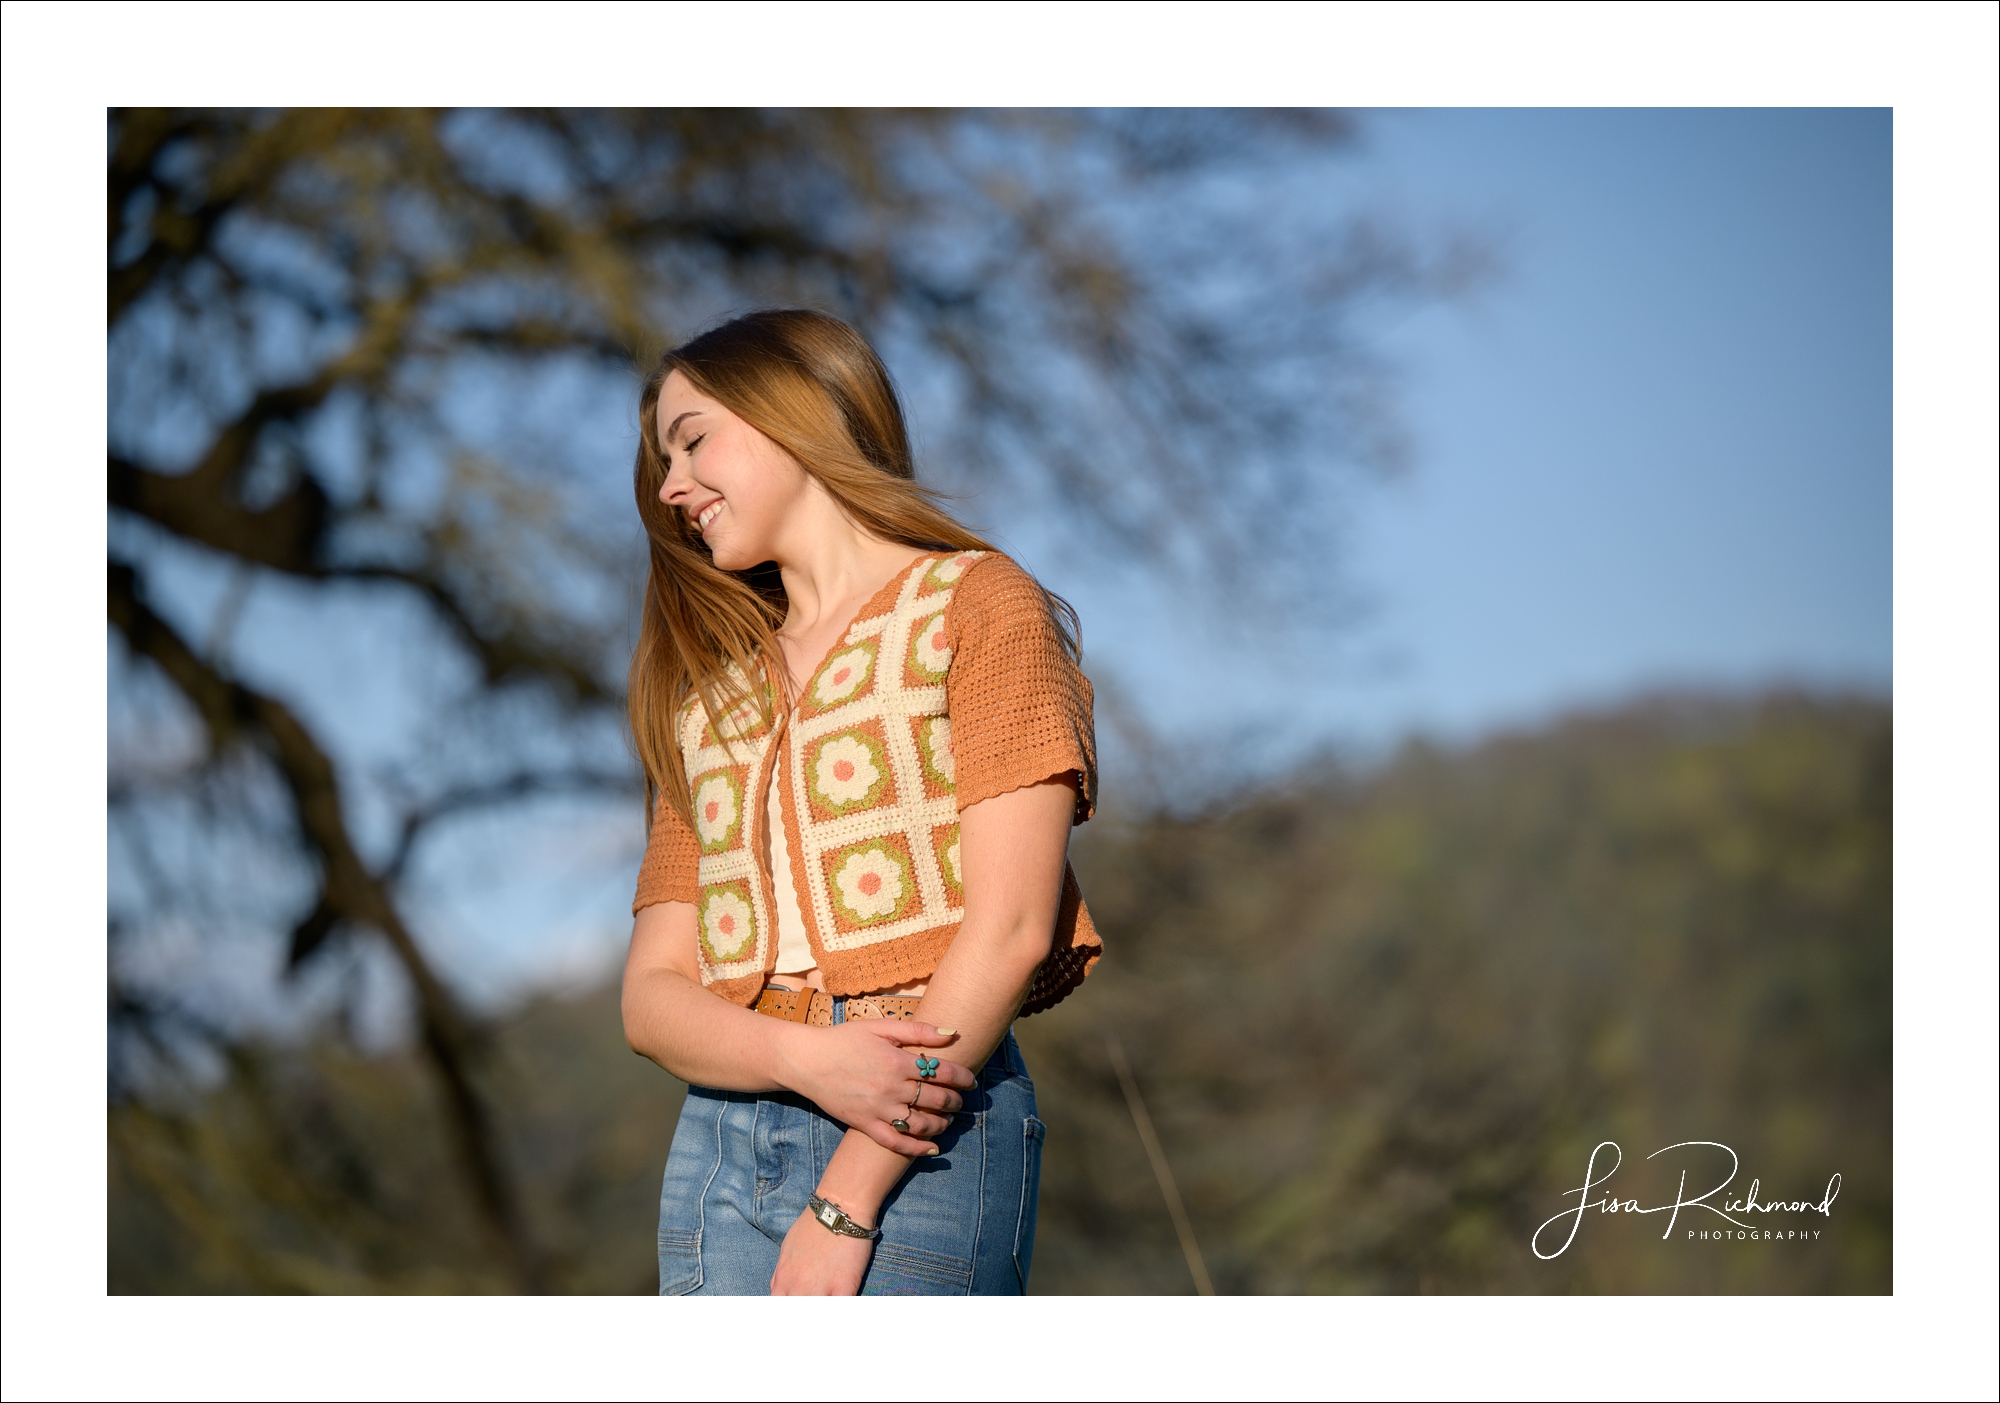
[[947, 1032], [932, 1150]]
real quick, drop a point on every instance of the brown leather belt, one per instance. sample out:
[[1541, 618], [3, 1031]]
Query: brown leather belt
[[815, 1006]]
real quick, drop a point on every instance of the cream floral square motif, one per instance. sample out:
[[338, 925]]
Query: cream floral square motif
[[718, 808], [928, 658], [725, 922], [946, 572], [748, 720], [848, 676], [848, 772], [871, 882], [944, 844], [933, 744]]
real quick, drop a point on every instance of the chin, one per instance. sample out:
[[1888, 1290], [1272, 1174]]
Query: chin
[[726, 558]]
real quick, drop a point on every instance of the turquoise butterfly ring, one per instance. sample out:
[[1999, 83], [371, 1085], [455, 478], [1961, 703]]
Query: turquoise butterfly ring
[[926, 1066]]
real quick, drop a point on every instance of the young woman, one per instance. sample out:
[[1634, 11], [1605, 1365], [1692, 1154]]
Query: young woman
[[866, 738]]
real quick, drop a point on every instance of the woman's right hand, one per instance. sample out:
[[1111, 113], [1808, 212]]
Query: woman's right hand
[[864, 1075]]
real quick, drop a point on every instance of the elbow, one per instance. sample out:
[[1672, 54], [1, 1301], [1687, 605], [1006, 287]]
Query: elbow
[[634, 1026], [1027, 944]]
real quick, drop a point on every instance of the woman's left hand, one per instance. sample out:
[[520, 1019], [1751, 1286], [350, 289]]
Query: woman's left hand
[[815, 1262]]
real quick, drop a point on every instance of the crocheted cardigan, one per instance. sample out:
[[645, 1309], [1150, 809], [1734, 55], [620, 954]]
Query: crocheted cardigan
[[950, 686]]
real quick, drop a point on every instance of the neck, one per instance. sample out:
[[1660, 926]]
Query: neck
[[830, 566]]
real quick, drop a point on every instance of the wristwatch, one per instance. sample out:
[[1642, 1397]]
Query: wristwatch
[[835, 1220]]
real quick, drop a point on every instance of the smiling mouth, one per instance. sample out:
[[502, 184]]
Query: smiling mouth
[[708, 514]]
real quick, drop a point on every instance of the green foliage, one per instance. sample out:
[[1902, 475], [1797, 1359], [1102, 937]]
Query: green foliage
[[322, 1170], [373, 369], [1382, 1025], [1379, 1023]]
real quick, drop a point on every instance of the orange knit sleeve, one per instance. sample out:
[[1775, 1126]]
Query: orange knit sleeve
[[668, 872], [1019, 704]]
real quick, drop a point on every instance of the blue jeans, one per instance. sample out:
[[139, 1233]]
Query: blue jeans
[[961, 1222]]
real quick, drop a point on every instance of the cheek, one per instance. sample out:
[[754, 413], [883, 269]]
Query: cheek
[[774, 480], [759, 491]]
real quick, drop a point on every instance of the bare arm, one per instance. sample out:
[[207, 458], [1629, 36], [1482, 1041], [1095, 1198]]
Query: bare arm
[[857, 1073], [672, 1019], [1012, 848]]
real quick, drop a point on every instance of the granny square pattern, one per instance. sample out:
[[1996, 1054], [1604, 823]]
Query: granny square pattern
[[932, 738], [944, 845], [732, 911], [718, 808], [868, 768], [849, 772], [871, 780], [848, 676], [726, 920], [872, 881]]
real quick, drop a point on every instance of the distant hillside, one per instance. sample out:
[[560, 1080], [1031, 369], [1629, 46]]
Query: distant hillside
[[1379, 1023]]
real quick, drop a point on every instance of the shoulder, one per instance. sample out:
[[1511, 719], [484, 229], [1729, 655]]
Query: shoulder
[[992, 589], [1000, 616]]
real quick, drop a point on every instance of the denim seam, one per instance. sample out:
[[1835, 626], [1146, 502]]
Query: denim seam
[[938, 1268], [701, 1207], [1021, 1217], [757, 1191], [782, 1135], [979, 1218]]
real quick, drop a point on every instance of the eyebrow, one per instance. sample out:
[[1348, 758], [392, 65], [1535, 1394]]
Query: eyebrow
[[674, 427]]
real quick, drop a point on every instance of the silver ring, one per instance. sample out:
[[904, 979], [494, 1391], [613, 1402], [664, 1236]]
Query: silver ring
[[901, 1125]]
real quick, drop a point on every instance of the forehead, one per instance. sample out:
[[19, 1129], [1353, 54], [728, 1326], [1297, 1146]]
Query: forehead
[[678, 397]]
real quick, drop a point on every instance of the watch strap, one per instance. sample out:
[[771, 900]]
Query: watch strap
[[834, 1219]]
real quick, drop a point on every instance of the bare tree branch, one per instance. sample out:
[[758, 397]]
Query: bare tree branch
[[484, 796], [349, 891], [328, 329]]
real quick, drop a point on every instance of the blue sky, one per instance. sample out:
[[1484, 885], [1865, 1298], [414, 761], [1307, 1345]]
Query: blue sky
[[1655, 453]]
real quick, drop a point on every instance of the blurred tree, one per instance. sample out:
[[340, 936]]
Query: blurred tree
[[359, 358], [1380, 1021]]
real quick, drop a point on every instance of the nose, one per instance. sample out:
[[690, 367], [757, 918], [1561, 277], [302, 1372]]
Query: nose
[[674, 489]]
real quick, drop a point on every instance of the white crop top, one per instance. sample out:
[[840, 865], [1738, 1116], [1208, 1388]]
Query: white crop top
[[795, 954]]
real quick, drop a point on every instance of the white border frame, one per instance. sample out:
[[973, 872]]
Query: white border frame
[[1934, 63]]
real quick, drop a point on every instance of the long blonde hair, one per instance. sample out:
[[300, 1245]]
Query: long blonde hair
[[814, 387]]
